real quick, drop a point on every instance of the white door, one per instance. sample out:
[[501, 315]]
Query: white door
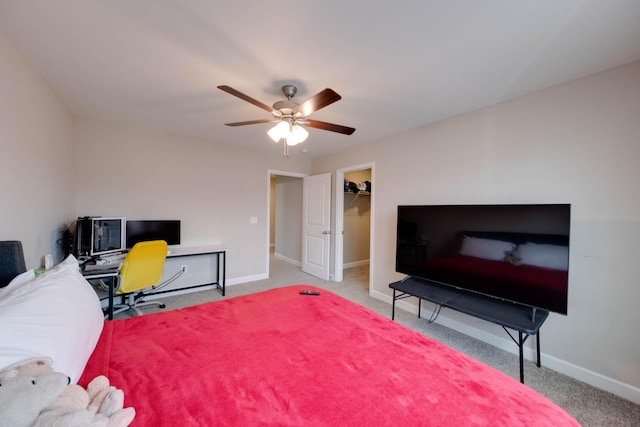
[[316, 221]]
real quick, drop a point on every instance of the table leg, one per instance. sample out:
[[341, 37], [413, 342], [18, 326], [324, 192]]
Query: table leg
[[538, 347], [521, 344], [393, 306]]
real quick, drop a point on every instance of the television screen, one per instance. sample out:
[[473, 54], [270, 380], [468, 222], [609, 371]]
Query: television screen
[[145, 230], [107, 235], [518, 253]]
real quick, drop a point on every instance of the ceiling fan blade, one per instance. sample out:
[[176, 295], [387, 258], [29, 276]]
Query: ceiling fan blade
[[249, 122], [317, 101], [244, 97], [329, 126]]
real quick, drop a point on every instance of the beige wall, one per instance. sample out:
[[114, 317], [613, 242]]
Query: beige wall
[[214, 189], [55, 167], [36, 159], [289, 218], [575, 143]]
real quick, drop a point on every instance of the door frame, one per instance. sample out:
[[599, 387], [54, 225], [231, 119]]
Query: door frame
[[338, 265], [271, 172]]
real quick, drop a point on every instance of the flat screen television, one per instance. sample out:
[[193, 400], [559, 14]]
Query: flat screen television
[[145, 230], [97, 236], [517, 253]]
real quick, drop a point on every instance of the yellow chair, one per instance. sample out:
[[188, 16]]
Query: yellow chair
[[141, 269]]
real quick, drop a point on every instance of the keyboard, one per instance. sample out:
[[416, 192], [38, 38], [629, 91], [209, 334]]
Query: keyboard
[[106, 259], [105, 268]]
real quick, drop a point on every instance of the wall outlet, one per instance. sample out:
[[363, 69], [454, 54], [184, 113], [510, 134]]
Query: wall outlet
[[183, 268]]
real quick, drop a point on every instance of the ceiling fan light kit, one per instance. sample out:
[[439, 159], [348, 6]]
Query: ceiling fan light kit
[[279, 131], [290, 115], [297, 135], [292, 134]]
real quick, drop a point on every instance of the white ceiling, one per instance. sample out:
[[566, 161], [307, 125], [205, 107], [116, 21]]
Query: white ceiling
[[397, 64]]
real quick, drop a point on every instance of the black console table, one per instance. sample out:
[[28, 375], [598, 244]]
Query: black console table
[[526, 320]]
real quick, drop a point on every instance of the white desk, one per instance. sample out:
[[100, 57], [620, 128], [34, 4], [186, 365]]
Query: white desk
[[221, 263], [109, 275]]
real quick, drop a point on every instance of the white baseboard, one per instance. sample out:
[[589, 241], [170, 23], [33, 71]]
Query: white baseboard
[[595, 379], [153, 296], [245, 279], [356, 263], [287, 259], [228, 282]]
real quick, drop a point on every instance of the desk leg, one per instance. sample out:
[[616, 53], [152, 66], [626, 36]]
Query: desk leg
[[218, 273], [221, 266], [112, 284], [224, 270]]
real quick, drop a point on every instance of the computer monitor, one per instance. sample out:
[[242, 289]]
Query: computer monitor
[[97, 236], [108, 235], [144, 230]]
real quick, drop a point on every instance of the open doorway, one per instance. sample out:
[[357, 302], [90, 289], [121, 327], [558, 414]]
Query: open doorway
[[354, 221], [285, 217], [299, 211]]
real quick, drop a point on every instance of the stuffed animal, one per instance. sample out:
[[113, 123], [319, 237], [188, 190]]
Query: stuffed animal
[[23, 397], [100, 405], [511, 257]]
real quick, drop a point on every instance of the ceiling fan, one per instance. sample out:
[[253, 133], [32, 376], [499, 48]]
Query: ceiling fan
[[289, 115]]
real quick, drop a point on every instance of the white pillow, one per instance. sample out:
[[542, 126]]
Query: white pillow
[[494, 250], [55, 316], [555, 257]]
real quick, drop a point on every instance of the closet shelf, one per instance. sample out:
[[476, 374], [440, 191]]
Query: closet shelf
[[358, 194]]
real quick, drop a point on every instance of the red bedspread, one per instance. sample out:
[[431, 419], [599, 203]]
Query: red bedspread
[[279, 358]]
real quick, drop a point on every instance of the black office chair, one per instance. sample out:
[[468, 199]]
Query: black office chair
[[11, 261]]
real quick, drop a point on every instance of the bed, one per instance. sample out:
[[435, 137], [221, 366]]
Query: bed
[[280, 358]]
